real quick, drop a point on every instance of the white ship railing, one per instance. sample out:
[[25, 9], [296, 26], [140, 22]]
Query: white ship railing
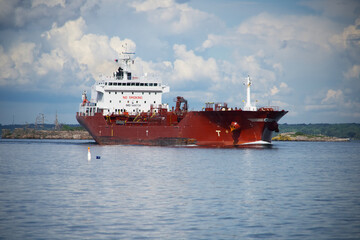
[[87, 109]]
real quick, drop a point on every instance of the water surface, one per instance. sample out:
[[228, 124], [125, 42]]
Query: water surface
[[294, 190]]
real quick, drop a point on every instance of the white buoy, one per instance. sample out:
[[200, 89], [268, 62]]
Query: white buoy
[[89, 154]]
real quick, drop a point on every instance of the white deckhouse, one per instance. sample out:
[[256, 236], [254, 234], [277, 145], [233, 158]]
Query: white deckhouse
[[123, 93]]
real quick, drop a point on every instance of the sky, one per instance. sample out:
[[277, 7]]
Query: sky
[[303, 56]]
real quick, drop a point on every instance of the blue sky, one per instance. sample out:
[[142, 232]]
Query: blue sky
[[303, 56]]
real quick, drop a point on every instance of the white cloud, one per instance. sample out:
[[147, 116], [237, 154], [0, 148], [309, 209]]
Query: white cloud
[[151, 5], [175, 18], [333, 97], [91, 52], [349, 38], [49, 3], [333, 103], [274, 90], [7, 70], [283, 89], [16, 64], [51, 62], [277, 32], [263, 76], [72, 51], [190, 47], [353, 72], [334, 8], [190, 67], [23, 54], [71, 31]]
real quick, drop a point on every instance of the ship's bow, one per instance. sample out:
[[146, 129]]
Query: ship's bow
[[271, 125]]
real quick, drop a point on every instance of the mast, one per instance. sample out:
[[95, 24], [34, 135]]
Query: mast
[[248, 105]]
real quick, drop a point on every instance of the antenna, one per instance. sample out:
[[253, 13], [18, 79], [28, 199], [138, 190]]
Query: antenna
[[57, 125], [39, 121]]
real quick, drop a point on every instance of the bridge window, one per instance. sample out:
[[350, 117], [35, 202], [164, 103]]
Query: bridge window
[[151, 84], [155, 84]]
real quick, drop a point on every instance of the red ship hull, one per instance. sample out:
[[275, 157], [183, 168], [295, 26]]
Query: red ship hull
[[201, 128]]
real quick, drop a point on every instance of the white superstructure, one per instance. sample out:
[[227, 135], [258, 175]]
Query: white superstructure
[[123, 93], [248, 105]]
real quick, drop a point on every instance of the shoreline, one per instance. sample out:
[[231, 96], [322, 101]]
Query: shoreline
[[21, 133], [28, 133], [300, 137]]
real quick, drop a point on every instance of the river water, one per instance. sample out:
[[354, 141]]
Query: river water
[[293, 190]]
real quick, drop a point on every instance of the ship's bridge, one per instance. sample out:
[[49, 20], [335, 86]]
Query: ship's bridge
[[125, 93]]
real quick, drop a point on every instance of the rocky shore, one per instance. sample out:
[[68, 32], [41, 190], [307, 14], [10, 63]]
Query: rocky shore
[[292, 136], [22, 133]]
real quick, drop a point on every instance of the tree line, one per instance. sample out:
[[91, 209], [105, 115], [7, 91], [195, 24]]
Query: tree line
[[341, 130]]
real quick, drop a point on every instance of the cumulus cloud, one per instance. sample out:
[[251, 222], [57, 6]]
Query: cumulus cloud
[[57, 44], [274, 90], [349, 38], [91, 52], [175, 17], [190, 67], [353, 72], [266, 46], [334, 8], [71, 50], [333, 96], [283, 88], [49, 3], [53, 61], [40, 14], [334, 103], [278, 32], [7, 70], [151, 5], [17, 63]]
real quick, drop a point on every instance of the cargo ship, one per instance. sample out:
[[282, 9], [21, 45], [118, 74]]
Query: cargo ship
[[126, 109]]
